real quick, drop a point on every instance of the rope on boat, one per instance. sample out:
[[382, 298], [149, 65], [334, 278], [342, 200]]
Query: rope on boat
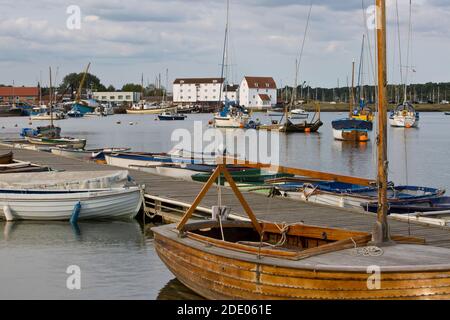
[[369, 251]]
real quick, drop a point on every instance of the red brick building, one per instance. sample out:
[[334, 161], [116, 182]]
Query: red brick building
[[28, 95]]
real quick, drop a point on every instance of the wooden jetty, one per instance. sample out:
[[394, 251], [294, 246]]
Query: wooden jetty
[[171, 198]]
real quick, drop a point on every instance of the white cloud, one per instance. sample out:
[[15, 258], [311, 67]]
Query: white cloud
[[186, 35]]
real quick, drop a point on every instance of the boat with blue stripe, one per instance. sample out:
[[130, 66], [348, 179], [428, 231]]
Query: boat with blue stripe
[[347, 195]]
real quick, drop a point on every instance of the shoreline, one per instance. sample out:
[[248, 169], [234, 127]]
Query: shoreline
[[345, 107]]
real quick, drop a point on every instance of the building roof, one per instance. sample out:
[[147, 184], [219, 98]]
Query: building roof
[[198, 80], [19, 91], [261, 82], [264, 97]]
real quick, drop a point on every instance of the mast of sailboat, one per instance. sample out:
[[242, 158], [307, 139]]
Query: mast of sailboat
[[361, 72], [14, 96], [224, 56], [83, 79], [51, 98], [142, 87], [405, 99], [40, 88], [352, 92], [381, 234]]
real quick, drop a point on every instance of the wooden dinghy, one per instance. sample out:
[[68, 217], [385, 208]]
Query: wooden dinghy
[[260, 260]]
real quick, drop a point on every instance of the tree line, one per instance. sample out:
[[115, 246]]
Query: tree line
[[430, 92], [71, 83]]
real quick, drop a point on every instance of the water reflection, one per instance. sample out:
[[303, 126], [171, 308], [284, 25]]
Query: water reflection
[[351, 152], [115, 259], [175, 290], [28, 232]]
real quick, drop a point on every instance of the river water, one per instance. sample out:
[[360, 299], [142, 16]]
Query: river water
[[117, 259]]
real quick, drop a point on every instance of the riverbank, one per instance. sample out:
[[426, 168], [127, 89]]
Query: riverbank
[[344, 107]]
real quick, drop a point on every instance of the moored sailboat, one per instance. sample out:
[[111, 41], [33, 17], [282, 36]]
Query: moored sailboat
[[230, 116], [352, 128]]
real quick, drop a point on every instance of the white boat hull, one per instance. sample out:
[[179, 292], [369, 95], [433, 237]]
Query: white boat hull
[[326, 199], [103, 204], [230, 122], [130, 163], [151, 111], [349, 135], [404, 122], [176, 173]]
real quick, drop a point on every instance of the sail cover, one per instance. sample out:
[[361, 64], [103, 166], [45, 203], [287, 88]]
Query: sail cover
[[352, 124], [80, 180]]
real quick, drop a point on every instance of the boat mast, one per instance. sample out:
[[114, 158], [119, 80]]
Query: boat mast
[[224, 56], [362, 96], [142, 87], [83, 79], [14, 96], [381, 234], [51, 98], [352, 92]]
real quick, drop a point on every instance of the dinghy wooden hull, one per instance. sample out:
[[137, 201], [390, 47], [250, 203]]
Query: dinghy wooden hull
[[219, 273]]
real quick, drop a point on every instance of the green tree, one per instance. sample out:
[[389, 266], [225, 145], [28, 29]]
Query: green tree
[[73, 80], [110, 88], [131, 87]]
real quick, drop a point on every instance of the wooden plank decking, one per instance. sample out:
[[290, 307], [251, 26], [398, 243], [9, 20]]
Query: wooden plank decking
[[269, 209]]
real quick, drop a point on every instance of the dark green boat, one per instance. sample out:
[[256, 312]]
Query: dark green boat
[[247, 176]]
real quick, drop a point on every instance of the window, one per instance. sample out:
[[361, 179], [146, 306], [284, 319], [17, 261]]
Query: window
[[128, 97], [256, 85], [111, 97], [120, 97], [104, 97]]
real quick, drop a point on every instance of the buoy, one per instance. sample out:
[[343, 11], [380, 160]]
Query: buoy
[[118, 122], [131, 123], [307, 130], [75, 213], [30, 123], [8, 214], [16, 125]]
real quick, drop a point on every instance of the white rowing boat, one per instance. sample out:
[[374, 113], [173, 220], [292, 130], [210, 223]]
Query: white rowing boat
[[55, 205]]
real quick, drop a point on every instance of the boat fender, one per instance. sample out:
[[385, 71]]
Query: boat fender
[[75, 213], [8, 214]]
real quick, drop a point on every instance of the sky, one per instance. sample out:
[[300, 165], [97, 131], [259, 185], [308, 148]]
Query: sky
[[125, 38]]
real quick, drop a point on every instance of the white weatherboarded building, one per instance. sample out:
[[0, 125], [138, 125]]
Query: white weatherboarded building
[[197, 90], [258, 92]]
